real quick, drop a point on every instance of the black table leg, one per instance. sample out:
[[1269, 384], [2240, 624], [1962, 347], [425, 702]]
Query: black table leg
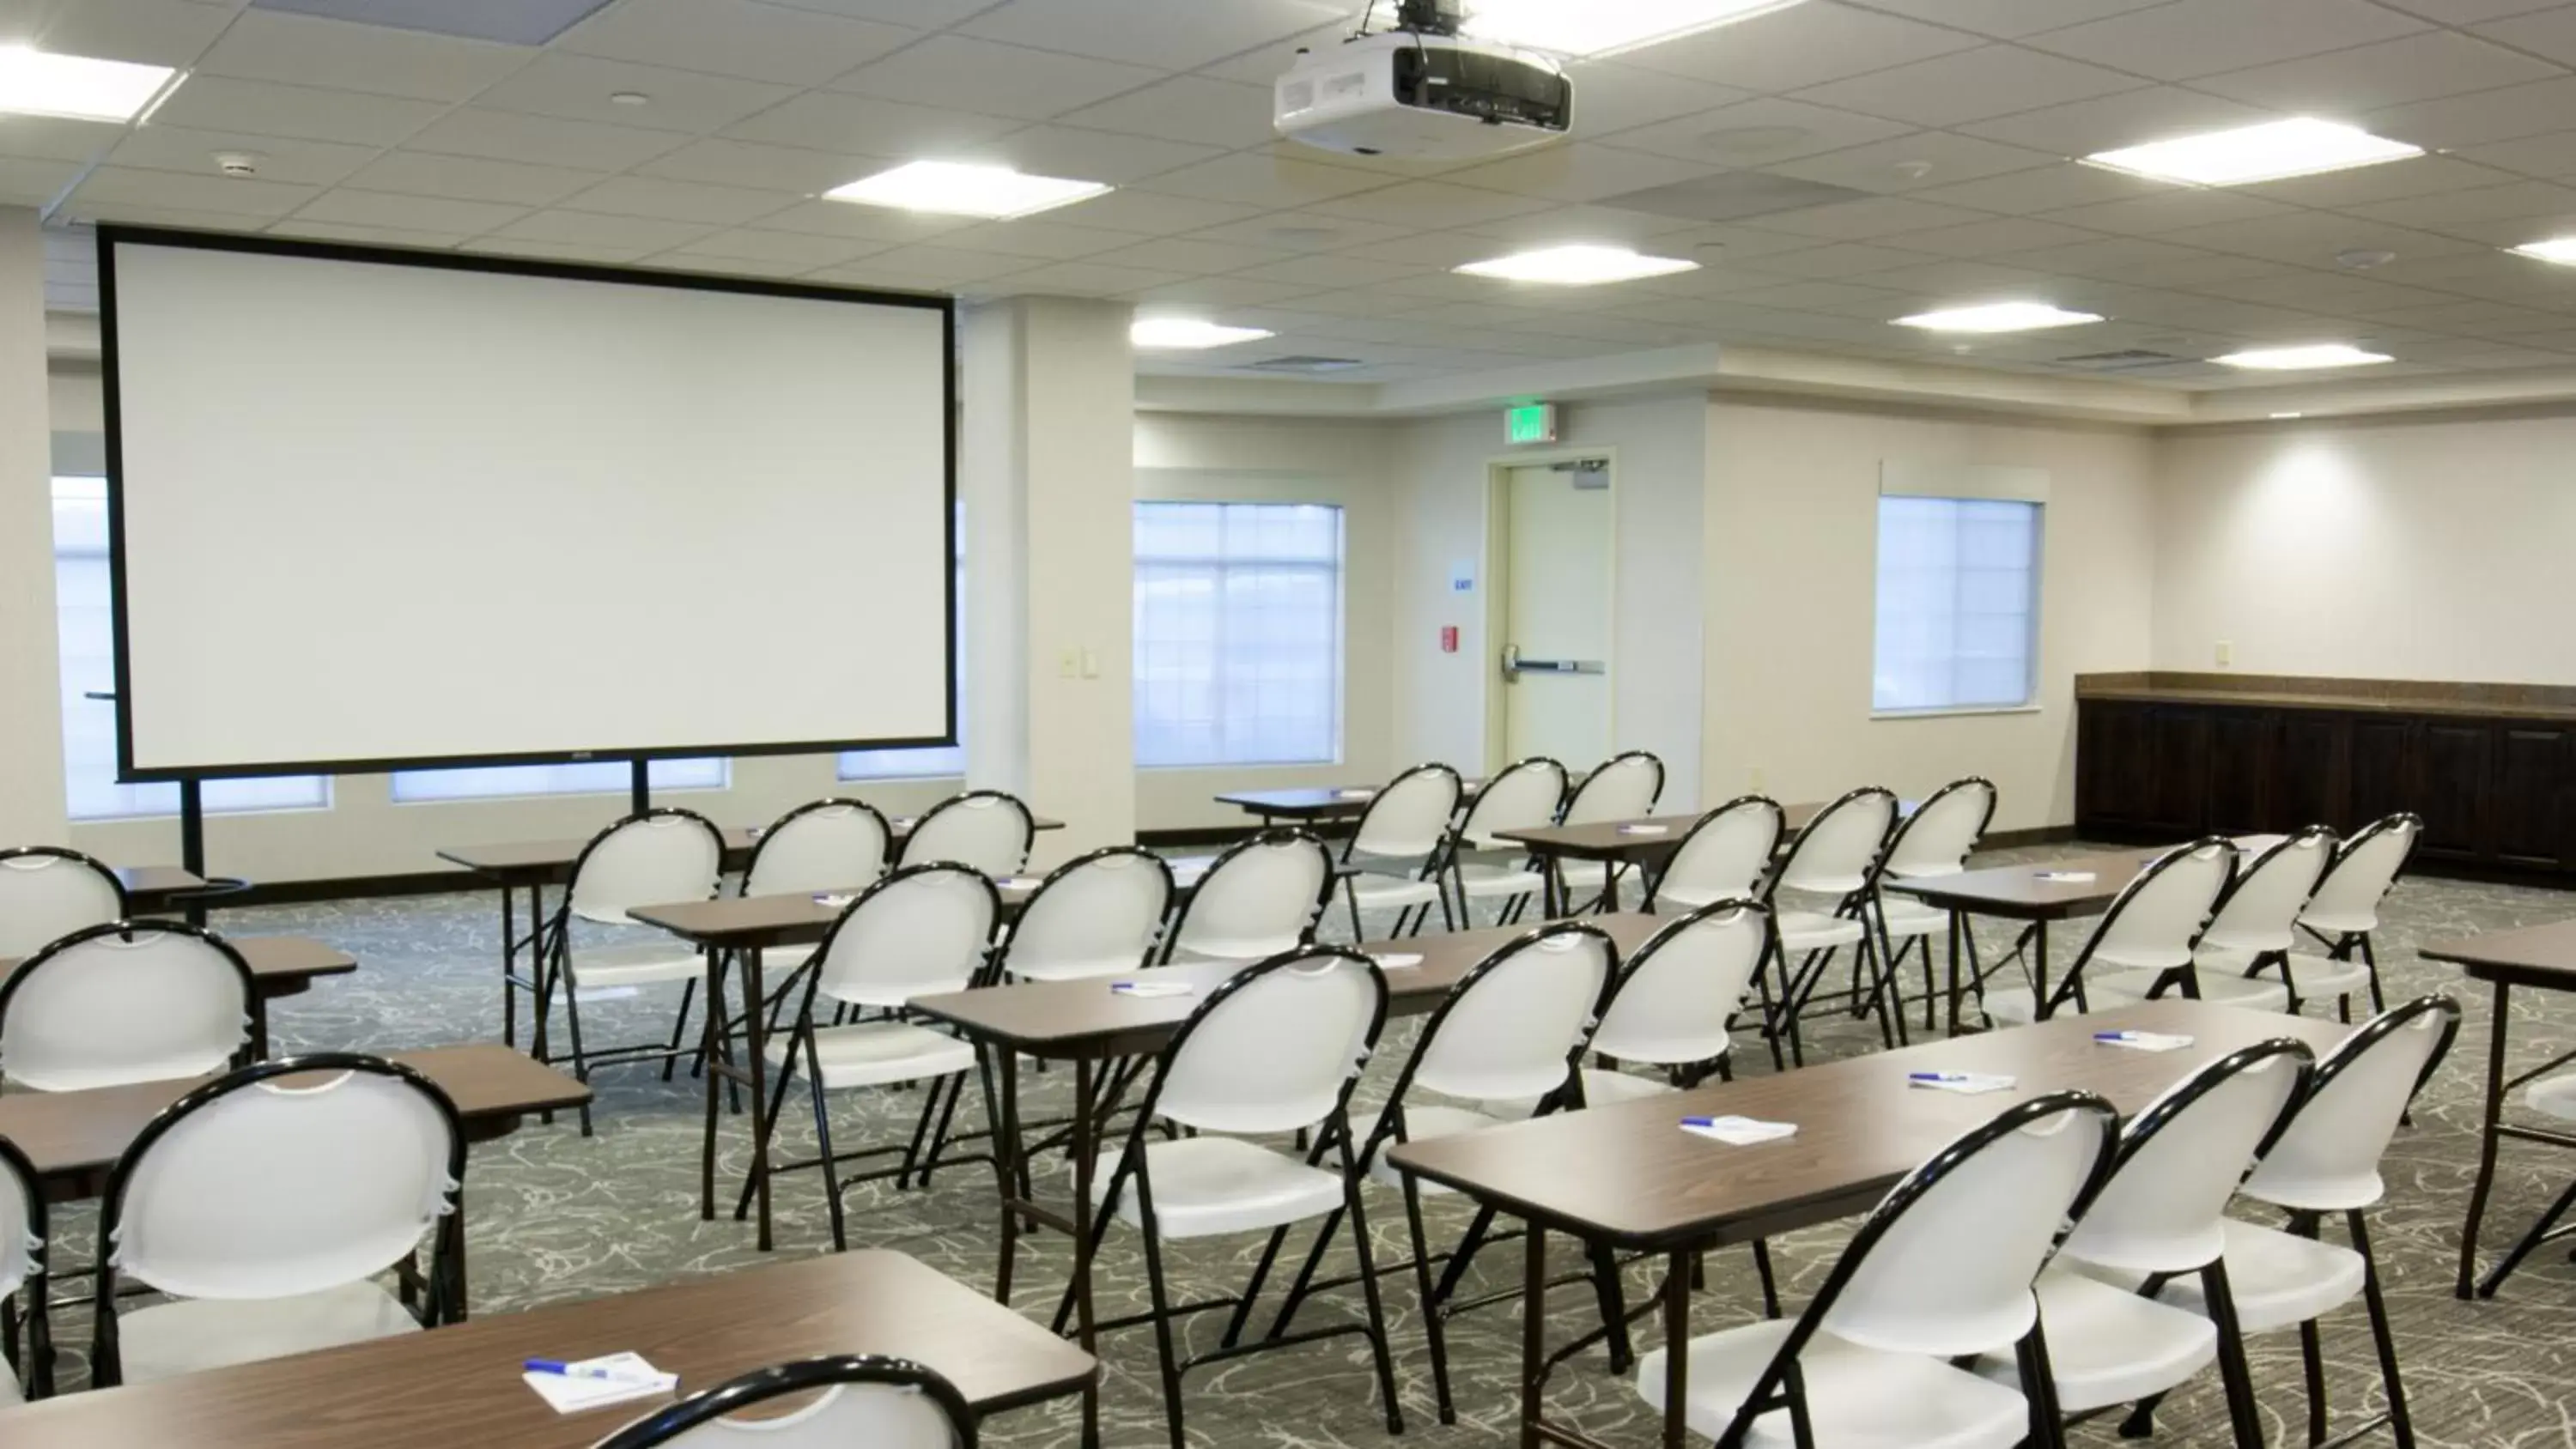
[[1533, 1330], [2486, 1139], [1677, 1294], [1086, 1086]]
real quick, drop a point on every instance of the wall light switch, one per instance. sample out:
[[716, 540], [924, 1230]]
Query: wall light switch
[[1756, 781], [1069, 665], [1091, 664], [2226, 653]]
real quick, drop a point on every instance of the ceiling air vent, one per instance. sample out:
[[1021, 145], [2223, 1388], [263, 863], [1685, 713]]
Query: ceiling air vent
[[1299, 362], [2124, 358]]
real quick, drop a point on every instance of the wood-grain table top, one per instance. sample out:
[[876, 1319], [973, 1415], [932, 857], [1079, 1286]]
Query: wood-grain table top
[[1646, 836], [1075, 1019], [2026, 892], [1627, 1173], [274, 961], [66, 1134], [147, 885], [1318, 802], [2542, 956], [543, 859], [790, 920], [460, 1385]]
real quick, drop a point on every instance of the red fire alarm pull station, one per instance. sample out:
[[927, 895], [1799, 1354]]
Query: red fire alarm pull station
[[1448, 638]]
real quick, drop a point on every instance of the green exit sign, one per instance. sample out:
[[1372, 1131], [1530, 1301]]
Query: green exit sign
[[1530, 423]]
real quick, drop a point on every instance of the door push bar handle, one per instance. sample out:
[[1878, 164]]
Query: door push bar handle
[[1515, 666]]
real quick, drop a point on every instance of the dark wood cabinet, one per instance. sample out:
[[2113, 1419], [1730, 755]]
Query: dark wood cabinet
[[2494, 793]]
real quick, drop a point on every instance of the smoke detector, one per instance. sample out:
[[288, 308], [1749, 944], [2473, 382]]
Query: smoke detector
[[238, 163]]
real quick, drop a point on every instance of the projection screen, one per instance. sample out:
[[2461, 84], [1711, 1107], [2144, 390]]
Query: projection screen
[[375, 508]]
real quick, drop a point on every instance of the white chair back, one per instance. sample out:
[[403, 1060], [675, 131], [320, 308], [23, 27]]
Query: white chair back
[[1260, 898], [1941, 833], [1948, 1258], [654, 858], [2347, 900], [1675, 997], [1625, 787], [921, 931], [22, 1224], [2181, 1159], [880, 1403], [254, 1188], [1722, 857], [1525, 796], [2327, 1158], [46, 893], [1273, 1049], [987, 829], [70, 1019], [1409, 819], [2260, 912], [1094, 916], [2156, 919], [1510, 1026], [828, 845], [1836, 853]]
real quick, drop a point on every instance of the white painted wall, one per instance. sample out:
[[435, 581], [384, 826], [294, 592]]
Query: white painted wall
[[2379, 549], [31, 782], [1282, 460], [1790, 559], [1658, 448]]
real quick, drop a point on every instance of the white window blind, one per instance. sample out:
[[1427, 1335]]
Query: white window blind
[[1958, 603], [1238, 633], [601, 777], [86, 622]]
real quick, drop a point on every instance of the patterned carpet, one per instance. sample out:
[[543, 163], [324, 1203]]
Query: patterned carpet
[[554, 1216]]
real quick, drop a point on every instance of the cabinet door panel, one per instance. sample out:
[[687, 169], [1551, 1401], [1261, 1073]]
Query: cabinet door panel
[[2240, 770], [2311, 767], [2451, 788], [2178, 781], [2527, 808]]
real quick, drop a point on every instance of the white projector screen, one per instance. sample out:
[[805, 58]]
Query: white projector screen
[[379, 508]]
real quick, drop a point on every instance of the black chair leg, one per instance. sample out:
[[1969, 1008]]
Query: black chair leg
[[1614, 1305], [1368, 1283], [1432, 1327], [2401, 1423], [2370, 958], [2530, 1240], [1770, 1285], [680, 1027], [572, 1025], [822, 1142], [1162, 1309]]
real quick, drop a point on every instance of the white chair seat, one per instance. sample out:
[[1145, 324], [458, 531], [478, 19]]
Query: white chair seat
[[2277, 1278], [2323, 978], [604, 915], [1907, 918], [1858, 1398], [642, 965], [1206, 1186], [1601, 1088], [1815, 930], [1483, 881], [2554, 1097], [1421, 1122], [1241, 950], [2336, 923], [872, 1053], [2110, 1346], [1376, 892], [196, 1334], [2221, 980]]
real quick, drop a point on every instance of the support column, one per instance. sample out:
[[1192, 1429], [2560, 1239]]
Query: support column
[[1046, 465], [31, 722]]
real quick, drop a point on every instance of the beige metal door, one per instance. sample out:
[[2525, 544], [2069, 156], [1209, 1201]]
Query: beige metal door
[[1556, 638]]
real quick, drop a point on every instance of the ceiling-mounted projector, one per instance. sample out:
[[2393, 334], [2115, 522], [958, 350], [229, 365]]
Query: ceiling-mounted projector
[[1419, 91]]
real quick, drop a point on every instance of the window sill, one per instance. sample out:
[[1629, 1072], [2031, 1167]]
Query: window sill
[[957, 777], [1955, 711]]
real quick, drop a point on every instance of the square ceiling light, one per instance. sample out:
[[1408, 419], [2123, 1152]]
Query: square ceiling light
[[1584, 28], [34, 83], [1998, 317], [1188, 334], [1577, 266], [2300, 146], [996, 193], [2294, 359]]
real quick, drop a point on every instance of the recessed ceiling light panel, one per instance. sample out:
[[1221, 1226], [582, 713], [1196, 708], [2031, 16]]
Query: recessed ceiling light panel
[[34, 83], [1998, 317], [994, 192], [1590, 28], [1190, 334], [2292, 359], [2300, 146], [2559, 249], [1577, 266]]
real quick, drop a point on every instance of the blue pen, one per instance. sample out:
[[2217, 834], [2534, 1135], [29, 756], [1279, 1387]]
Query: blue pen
[[1936, 1076], [1699, 1121], [2115, 1036]]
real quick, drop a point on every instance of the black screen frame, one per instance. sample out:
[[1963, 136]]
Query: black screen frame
[[110, 236]]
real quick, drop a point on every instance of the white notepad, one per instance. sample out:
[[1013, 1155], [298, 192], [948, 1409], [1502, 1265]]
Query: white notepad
[[570, 1394], [1966, 1084], [1645, 829], [1151, 988], [1738, 1131], [1354, 794], [2143, 1041], [1397, 960], [832, 902], [2066, 877], [1018, 882]]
